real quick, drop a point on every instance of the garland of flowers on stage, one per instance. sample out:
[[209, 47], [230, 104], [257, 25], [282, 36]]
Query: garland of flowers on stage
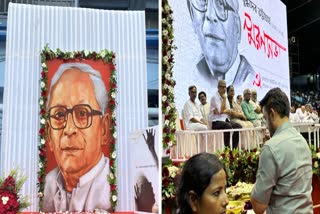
[[107, 57], [168, 104]]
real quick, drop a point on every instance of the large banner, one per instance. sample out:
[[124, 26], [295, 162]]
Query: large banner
[[145, 173], [243, 42]]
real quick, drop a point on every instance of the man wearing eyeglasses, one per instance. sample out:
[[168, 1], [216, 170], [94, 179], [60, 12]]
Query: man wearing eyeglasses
[[218, 28], [78, 127]]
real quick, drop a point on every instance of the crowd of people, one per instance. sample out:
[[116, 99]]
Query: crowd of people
[[223, 111]]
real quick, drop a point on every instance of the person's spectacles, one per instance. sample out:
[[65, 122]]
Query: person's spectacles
[[81, 116], [221, 7]]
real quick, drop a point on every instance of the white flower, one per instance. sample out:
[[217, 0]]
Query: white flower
[[41, 102], [165, 32], [165, 58], [86, 53], [257, 153], [114, 114], [43, 121], [42, 84], [44, 65], [40, 194], [114, 198], [167, 76], [163, 21], [166, 122], [166, 8], [43, 141], [71, 55], [318, 155], [165, 86], [164, 98], [115, 134], [172, 105], [170, 143], [168, 108], [113, 95], [103, 53], [111, 176], [40, 165], [114, 155], [316, 164], [4, 199]]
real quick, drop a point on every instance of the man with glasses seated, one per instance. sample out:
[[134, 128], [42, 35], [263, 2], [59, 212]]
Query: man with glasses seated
[[78, 126], [218, 28]]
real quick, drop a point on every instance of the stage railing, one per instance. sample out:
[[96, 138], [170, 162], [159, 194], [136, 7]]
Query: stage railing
[[189, 142]]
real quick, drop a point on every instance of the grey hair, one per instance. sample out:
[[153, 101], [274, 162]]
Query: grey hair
[[247, 90], [98, 84]]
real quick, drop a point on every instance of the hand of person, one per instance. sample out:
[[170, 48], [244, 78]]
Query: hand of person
[[150, 138]]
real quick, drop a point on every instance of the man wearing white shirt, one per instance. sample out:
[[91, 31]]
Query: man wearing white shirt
[[219, 115], [192, 116], [302, 114], [204, 106]]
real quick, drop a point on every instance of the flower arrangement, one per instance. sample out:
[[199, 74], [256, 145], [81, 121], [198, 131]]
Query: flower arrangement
[[11, 201], [107, 57], [168, 104], [315, 160], [170, 175], [240, 165]]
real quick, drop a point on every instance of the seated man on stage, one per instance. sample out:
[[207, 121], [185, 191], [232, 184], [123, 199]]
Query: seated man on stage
[[204, 106], [78, 126], [192, 116], [248, 109], [237, 115], [219, 115]]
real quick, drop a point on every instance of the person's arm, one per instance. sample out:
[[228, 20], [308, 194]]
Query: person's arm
[[267, 177], [223, 104], [259, 208]]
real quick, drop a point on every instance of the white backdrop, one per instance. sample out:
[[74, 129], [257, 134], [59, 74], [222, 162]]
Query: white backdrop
[[29, 29], [273, 70]]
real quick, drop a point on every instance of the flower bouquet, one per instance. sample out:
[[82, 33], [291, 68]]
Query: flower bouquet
[[11, 201]]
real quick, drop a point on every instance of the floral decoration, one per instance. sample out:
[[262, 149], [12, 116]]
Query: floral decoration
[[315, 160], [168, 104], [240, 165], [170, 175], [11, 201], [107, 57]]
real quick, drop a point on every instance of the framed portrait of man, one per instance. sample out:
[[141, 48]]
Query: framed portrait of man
[[78, 98]]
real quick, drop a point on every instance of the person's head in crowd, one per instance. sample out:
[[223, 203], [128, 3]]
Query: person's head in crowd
[[293, 109], [230, 91], [202, 186], [247, 95], [222, 86], [193, 93], [308, 107], [218, 28], [275, 107], [303, 109], [202, 97], [254, 95], [239, 99]]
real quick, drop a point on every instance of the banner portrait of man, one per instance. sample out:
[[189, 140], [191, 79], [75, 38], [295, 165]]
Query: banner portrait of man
[[78, 136]]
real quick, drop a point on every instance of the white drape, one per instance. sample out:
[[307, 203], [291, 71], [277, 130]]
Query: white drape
[[29, 29]]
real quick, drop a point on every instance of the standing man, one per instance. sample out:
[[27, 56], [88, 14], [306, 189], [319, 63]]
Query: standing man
[[219, 115], [284, 178], [218, 28], [78, 127], [192, 116]]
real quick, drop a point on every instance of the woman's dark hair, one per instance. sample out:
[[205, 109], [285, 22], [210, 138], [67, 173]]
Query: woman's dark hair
[[278, 100], [196, 175]]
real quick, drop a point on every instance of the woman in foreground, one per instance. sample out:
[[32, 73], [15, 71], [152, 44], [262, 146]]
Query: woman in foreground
[[202, 186]]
